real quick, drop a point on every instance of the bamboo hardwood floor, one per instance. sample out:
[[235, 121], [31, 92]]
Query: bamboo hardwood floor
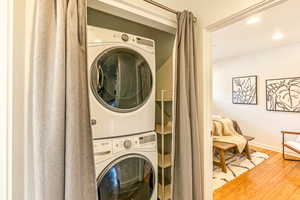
[[274, 179]]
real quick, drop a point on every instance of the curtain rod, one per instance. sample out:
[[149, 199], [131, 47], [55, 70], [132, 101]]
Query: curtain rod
[[165, 8]]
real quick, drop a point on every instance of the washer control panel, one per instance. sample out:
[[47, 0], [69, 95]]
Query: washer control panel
[[108, 147], [147, 139]]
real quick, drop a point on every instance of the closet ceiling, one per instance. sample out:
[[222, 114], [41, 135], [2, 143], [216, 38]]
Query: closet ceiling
[[242, 38]]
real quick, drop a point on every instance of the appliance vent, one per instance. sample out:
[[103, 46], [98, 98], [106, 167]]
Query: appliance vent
[[145, 42]]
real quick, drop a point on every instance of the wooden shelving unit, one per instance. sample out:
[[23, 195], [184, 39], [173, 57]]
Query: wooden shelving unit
[[165, 161]]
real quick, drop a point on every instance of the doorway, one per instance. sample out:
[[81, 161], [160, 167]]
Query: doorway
[[249, 50]]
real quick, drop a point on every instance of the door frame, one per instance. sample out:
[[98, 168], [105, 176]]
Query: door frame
[[6, 151], [207, 78]]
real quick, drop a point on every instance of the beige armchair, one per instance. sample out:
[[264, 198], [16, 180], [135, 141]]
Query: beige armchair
[[292, 145]]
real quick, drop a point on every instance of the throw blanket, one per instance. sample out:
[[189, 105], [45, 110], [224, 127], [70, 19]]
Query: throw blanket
[[223, 131]]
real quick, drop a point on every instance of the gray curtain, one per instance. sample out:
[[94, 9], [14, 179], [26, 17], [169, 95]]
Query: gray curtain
[[187, 162], [63, 165]]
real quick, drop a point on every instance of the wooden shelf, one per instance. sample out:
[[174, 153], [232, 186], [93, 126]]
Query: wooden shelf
[[167, 163], [167, 192], [168, 96], [167, 130], [170, 99]]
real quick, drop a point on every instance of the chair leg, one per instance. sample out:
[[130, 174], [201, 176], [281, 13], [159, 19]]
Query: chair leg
[[247, 152], [223, 161], [283, 141]]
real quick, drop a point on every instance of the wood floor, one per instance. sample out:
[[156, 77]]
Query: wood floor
[[274, 179]]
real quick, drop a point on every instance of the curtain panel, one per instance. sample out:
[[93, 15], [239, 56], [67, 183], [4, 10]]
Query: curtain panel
[[187, 161], [62, 149]]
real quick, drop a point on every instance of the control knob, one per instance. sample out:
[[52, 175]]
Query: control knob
[[127, 144], [125, 37]]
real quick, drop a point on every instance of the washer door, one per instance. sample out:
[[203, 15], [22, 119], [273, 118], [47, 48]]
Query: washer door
[[128, 178], [121, 79]]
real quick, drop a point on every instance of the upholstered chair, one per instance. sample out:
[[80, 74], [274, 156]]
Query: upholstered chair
[[292, 145]]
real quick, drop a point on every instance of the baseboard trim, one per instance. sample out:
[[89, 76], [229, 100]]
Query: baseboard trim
[[272, 148]]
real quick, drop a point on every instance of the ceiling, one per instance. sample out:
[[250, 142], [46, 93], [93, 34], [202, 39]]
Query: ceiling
[[241, 38]]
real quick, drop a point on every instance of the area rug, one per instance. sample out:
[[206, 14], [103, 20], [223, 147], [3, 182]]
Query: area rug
[[236, 165]]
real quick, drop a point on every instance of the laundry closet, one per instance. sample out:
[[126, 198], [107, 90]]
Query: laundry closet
[[131, 89]]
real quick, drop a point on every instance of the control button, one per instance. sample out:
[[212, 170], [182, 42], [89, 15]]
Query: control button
[[127, 144], [125, 37]]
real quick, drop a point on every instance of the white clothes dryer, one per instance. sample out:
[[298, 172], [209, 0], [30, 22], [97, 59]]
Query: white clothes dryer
[[126, 167], [122, 83]]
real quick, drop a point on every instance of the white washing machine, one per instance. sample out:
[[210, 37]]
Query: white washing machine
[[126, 167], [122, 83]]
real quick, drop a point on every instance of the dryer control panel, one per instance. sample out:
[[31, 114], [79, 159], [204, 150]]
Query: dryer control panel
[[136, 40]]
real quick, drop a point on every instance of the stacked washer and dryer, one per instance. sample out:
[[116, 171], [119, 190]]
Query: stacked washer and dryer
[[122, 104]]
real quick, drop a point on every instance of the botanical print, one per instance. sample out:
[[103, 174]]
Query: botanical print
[[283, 95], [244, 90]]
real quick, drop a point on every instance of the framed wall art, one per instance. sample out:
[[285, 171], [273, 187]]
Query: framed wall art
[[244, 90], [283, 94]]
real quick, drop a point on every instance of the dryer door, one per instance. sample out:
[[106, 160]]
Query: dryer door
[[127, 178], [121, 79]]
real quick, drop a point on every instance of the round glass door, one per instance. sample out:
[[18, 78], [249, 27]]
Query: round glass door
[[121, 79], [128, 178]]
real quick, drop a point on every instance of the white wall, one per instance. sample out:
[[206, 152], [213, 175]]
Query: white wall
[[164, 78], [18, 97], [254, 120], [27, 151]]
